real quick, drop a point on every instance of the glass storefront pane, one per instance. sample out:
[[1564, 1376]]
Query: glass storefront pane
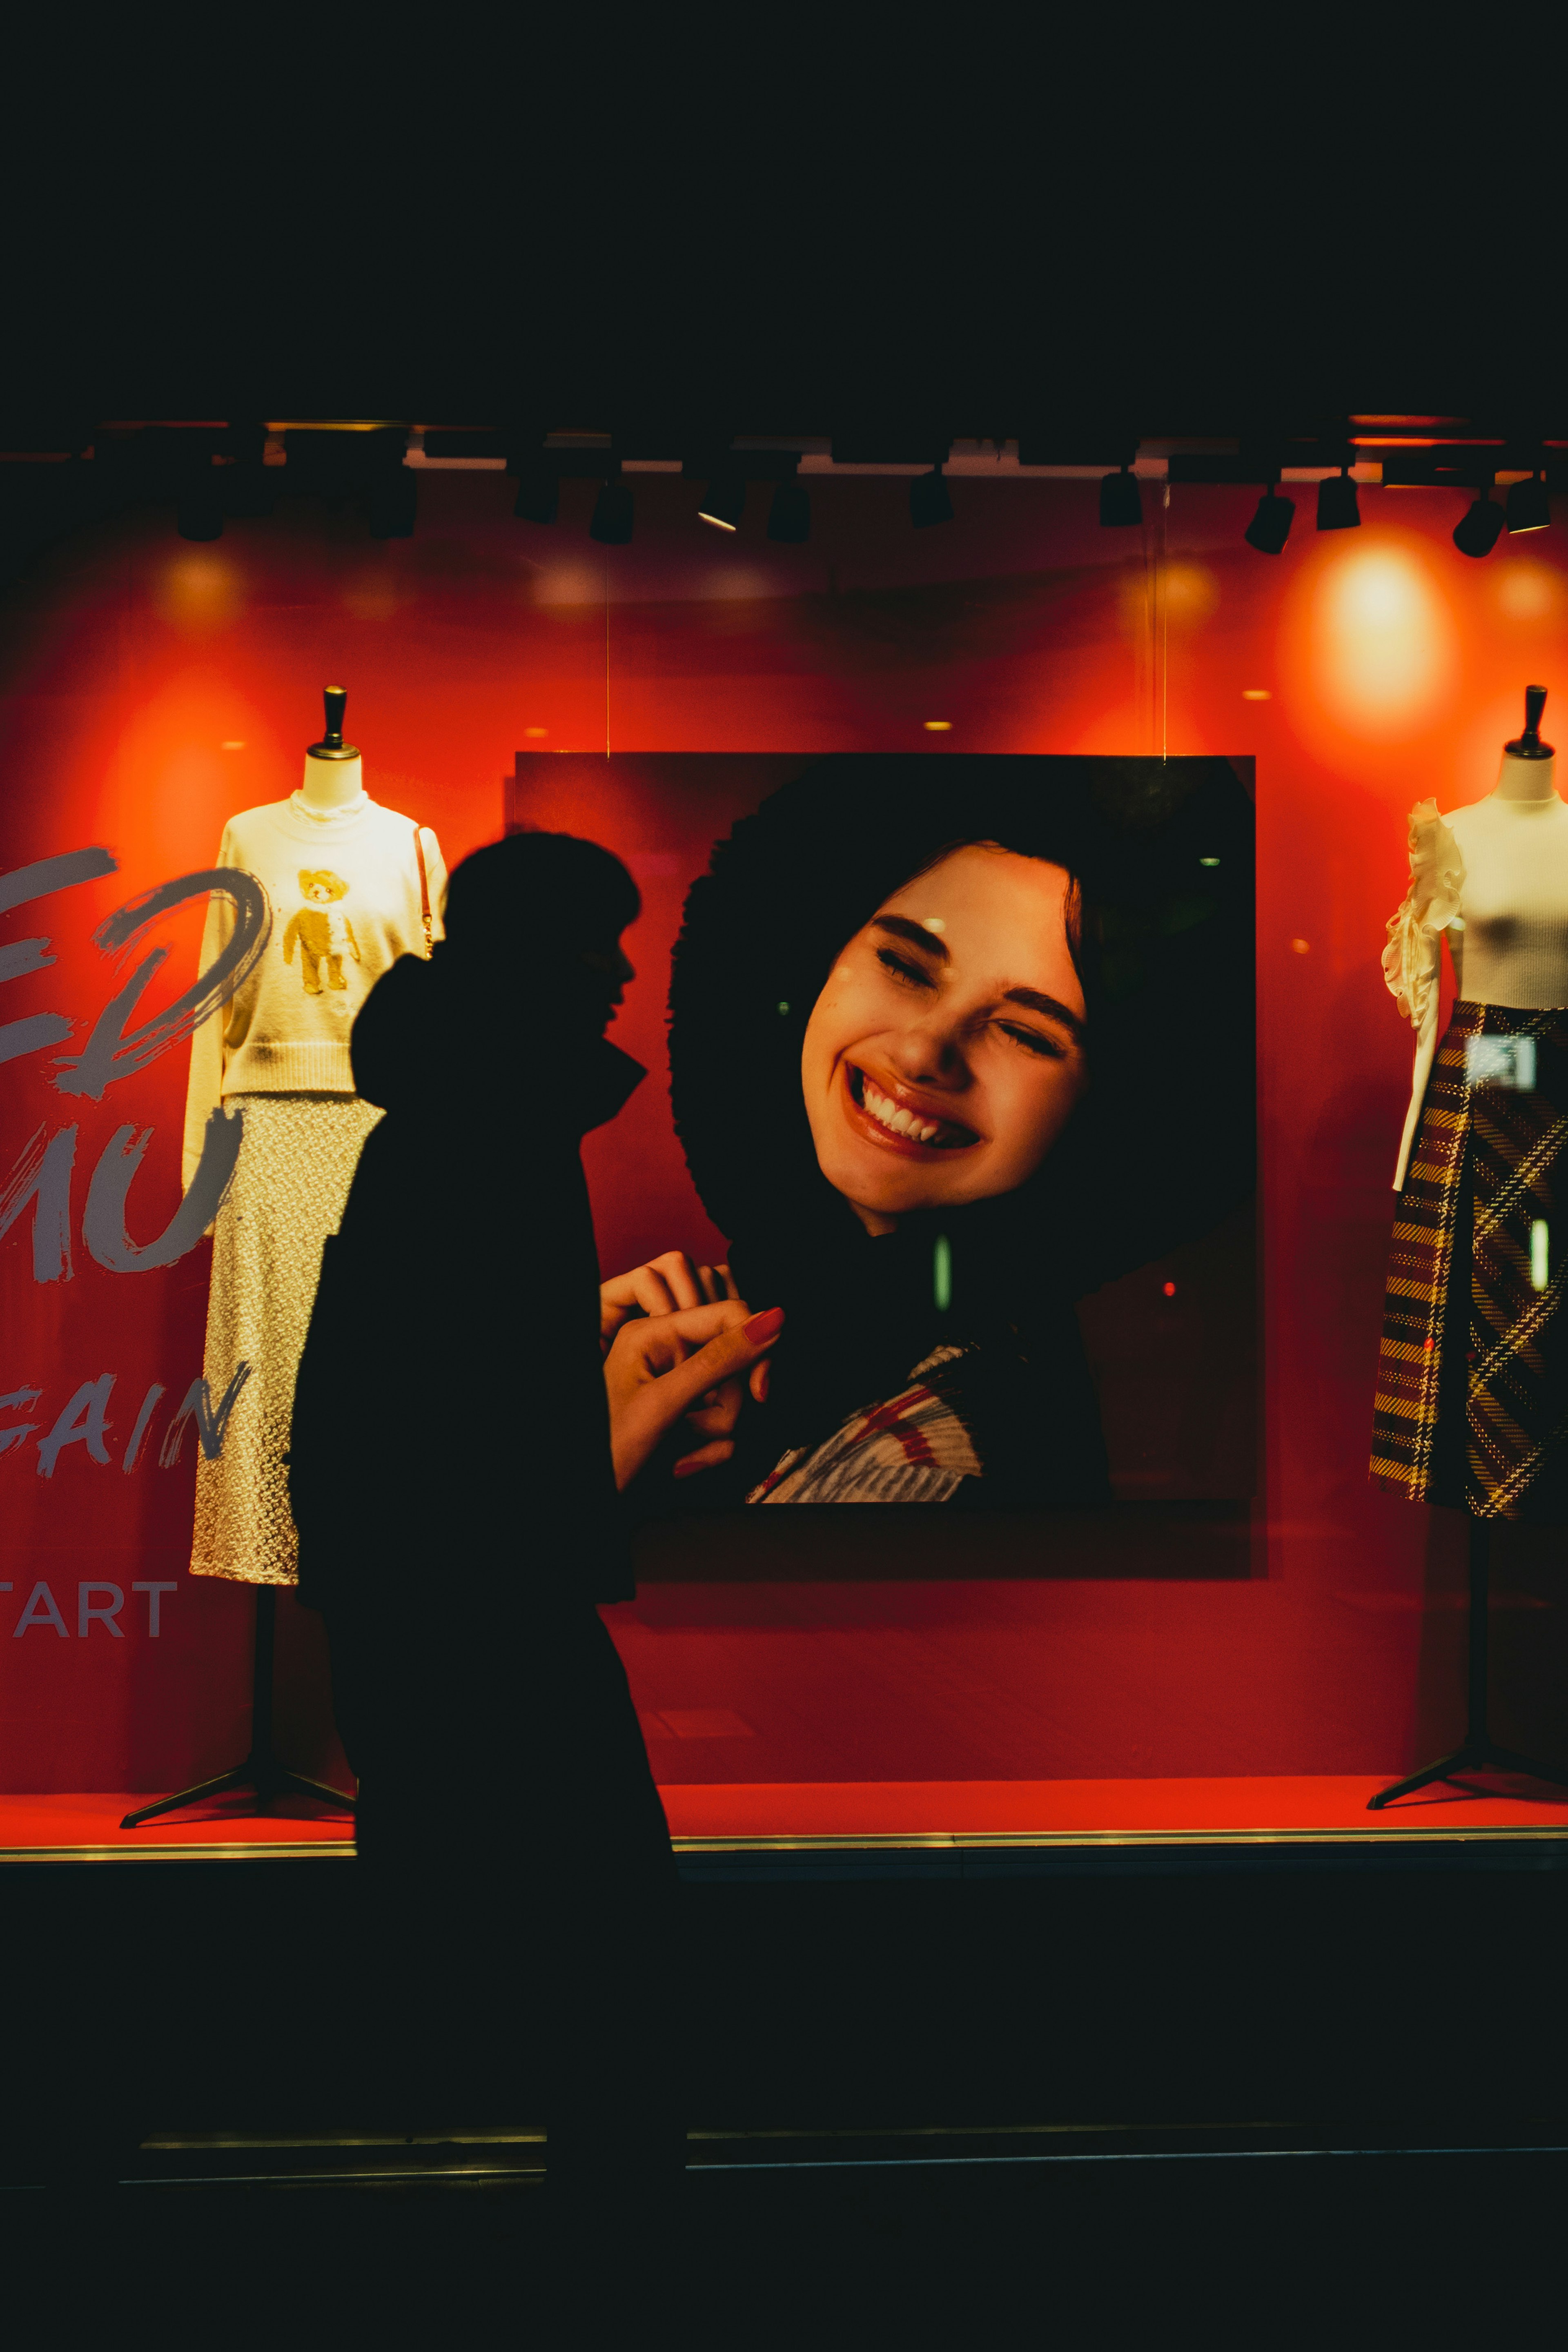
[[1221, 1623]]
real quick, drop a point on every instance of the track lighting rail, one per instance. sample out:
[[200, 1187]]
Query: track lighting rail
[[212, 471]]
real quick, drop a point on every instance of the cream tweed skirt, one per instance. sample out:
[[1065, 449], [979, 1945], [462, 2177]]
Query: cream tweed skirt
[[297, 1161]]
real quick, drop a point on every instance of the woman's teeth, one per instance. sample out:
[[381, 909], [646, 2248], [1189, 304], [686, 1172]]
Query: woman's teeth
[[897, 1122]]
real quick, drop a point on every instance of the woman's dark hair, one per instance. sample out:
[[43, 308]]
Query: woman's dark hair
[[1159, 857]]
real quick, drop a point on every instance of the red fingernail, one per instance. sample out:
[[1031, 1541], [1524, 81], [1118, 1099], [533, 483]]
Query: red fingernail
[[763, 1325]]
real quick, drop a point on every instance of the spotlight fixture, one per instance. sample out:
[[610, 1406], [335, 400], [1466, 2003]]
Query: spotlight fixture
[[724, 501], [1120, 500], [612, 523], [538, 491], [1478, 528], [394, 504], [928, 499], [1270, 526], [391, 491], [1337, 507], [246, 486], [789, 517], [198, 513], [1529, 508]]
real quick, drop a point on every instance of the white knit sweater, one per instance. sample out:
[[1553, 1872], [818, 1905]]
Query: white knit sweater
[[345, 893]]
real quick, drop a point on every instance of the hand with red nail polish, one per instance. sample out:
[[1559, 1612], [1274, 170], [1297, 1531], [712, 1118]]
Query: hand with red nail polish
[[689, 1366]]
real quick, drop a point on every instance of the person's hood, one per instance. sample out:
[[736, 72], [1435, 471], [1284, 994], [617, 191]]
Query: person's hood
[[428, 1030]]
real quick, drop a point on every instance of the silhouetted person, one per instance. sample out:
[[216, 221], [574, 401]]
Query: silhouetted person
[[458, 1519]]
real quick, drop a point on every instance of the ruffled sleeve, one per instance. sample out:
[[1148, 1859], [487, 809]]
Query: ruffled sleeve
[[1432, 902]]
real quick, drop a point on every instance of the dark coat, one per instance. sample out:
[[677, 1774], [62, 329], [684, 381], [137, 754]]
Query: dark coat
[[450, 1444]]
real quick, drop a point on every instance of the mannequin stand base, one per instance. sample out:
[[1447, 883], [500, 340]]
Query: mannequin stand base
[[266, 1777], [261, 1771], [1481, 1756], [1479, 1753]]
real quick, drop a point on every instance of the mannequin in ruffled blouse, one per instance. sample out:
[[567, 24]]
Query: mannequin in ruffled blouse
[[1472, 1392], [1494, 876]]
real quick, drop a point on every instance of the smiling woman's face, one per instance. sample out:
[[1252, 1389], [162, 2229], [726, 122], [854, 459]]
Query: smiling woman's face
[[945, 1053]]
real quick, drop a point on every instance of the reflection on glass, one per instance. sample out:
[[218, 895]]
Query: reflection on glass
[[942, 1274], [1500, 1061]]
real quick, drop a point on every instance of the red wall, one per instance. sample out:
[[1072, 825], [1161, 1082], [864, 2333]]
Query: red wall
[[1394, 669]]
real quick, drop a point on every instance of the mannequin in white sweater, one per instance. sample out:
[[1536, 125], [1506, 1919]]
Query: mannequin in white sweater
[[349, 883], [1494, 876]]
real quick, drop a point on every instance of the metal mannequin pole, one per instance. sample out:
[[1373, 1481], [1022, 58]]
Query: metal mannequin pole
[[1480, 1753], [261, 1771]]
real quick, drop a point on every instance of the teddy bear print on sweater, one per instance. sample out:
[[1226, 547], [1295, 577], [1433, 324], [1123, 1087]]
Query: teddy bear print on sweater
[[323, 929]]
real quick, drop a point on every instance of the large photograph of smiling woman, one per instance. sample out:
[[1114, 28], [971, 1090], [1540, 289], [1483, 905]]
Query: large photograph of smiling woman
[[953, 1043]]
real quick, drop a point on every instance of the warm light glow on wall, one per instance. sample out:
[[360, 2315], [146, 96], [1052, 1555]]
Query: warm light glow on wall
[[185, 755], [571, 583], [1529, 591], [1192, 592], [371, 597], [197, 592], [1382, 647]]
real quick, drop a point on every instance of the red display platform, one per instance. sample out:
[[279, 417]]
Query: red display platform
[[1308, 1808], [826, 1814], [86, 1828]]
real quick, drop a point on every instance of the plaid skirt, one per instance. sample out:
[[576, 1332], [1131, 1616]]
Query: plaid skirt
[[1472, 1393]]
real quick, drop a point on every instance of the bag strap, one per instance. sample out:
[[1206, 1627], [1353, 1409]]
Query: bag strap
[[425, 915]]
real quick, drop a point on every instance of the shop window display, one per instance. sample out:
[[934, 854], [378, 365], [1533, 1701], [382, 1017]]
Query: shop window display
[[1114, 1413]]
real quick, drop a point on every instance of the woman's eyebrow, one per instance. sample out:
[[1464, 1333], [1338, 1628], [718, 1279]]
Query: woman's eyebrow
[[1035, 999], [1051, 1006], [916, 934]]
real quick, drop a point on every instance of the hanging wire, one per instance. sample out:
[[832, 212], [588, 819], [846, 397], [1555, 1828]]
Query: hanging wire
[[1164, 623]]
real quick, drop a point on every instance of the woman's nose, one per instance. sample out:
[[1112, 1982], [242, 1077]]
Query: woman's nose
[[929, 1053]]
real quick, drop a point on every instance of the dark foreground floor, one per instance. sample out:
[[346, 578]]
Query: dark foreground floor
[[1362, 2077], [1246, 2248]]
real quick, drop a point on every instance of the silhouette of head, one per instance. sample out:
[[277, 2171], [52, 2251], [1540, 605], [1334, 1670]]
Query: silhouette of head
[[547, 909]]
